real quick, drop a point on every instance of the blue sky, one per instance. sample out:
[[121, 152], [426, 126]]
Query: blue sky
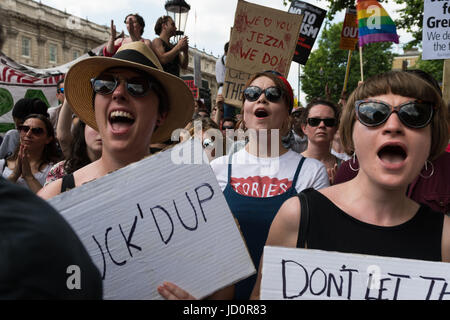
[[208, 24]]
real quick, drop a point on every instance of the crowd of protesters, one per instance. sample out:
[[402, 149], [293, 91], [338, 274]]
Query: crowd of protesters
[[277, 164]]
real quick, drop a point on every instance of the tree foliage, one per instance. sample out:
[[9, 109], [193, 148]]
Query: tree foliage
[[411, 15], [327, 64]]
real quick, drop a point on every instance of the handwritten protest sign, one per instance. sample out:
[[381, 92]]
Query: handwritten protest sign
[[309, 30], [154, 221], [349, 34], [262, 39], [19, 81], [313, 274], [436, 30]]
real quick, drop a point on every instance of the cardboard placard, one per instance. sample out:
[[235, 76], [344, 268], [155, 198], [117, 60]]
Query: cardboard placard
[[314, 274], [309, 30], [349, 34], [234, 85], [262, 39], [436, 30], [158, 220]]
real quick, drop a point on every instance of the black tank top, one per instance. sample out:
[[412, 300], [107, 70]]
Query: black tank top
[[329, 228], [172, 67]]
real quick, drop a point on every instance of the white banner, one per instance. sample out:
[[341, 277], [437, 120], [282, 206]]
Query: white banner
[[314, 274], [436, 30]]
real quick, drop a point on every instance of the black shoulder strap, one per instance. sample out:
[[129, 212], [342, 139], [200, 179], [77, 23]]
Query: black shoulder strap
[[304, 221], [68, 182]]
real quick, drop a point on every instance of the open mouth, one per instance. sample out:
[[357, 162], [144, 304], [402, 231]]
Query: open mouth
[[392, 154], [261, 113], [121, 120]]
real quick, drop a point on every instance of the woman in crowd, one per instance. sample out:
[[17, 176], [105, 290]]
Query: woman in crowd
[[395, 123], [130, 101], [320, 123], [86, 147], [257, 179], [37, 152]]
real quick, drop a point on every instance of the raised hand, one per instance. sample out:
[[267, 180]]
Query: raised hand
[[25, 162], [171, 291]]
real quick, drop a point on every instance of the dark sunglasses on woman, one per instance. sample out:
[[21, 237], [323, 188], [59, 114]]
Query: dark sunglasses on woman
[[136, 86], [252, 93], [314, 122], [37, 131], [413, 114]]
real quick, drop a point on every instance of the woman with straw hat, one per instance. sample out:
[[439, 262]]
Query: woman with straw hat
[[130, 101]]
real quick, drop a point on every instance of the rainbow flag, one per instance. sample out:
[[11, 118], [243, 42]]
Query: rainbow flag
[[374, 23]]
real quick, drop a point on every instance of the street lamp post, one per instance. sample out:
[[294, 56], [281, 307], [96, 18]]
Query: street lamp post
[[178, 10]]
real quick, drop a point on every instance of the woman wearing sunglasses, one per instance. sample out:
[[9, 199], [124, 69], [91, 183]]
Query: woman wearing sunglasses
[[37, 152], [395, 123], [257, 179], [320, 123], [130, 102]]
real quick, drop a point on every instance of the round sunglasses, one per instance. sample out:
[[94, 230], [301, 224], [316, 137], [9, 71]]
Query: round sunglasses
[[273, 94], [314, 122], [413, 114], [137, 86], [37, 131]]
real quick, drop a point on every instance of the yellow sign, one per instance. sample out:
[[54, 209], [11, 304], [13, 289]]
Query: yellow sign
[[349, 34]]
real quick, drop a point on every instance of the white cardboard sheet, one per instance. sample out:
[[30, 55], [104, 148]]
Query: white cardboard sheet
[[156, 221]]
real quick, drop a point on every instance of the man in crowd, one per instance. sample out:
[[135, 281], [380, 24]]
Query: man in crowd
[[172, 57]]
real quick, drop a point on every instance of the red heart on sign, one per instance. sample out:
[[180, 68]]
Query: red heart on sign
[[267, 22]]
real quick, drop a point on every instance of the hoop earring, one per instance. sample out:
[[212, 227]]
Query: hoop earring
[[426, 169], [353, 159]]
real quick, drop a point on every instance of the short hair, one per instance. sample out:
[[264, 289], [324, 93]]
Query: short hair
[[427, 77], [406, 85], [316, 101], [159, 23], [139, 19], [225, 48], [26, 106]]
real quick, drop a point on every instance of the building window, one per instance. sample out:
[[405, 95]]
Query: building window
[[76, 54], [26, 47], [53, 53]]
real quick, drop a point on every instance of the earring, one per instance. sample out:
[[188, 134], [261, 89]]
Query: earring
[[353, 159], [426, 170]]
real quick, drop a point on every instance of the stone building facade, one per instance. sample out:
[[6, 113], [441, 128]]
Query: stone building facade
[[43, 37]]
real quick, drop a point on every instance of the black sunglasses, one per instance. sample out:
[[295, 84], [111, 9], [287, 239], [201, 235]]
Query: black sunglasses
[[314, 122], [414, 114], [36, 131], [137, 86], [273, 94]]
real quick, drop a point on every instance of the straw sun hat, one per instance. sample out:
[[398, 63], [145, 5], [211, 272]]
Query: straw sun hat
[[134, 55]]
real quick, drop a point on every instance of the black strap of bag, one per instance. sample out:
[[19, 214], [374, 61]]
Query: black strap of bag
[[68, 182], [304, 221]]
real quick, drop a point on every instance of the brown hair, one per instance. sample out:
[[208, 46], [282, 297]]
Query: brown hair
[[139, 20], [406, 85], [159, 23]]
